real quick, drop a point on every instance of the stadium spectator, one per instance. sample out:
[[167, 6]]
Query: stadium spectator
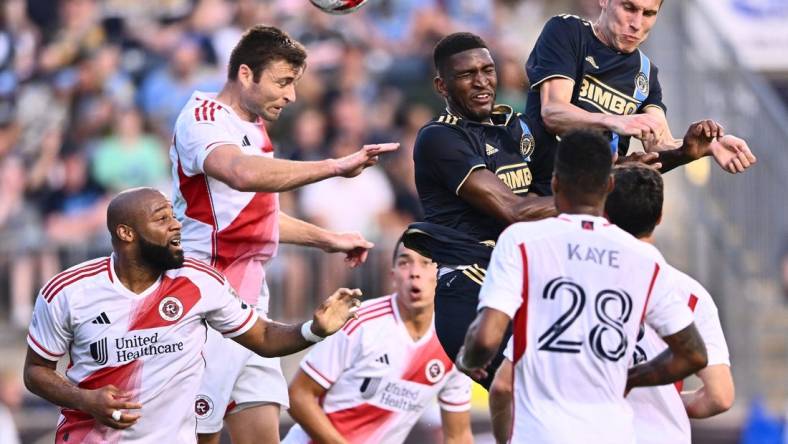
[[146, 306], [129, 157], [392, 354]]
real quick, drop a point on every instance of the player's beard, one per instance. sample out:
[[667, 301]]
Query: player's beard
[[160, 257]]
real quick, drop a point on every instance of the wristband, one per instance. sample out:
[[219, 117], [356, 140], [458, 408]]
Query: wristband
[[306, 332]]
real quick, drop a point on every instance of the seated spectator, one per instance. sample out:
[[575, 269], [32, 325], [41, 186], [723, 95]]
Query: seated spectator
[[130, 157]]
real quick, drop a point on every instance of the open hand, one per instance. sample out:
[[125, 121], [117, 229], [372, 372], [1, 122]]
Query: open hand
[[352, 165], [732, 154], [101, 403], [353, 245], [335, 311]]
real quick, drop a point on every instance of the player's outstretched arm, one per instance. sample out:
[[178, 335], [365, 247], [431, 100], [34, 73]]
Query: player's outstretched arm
[[456, 427], [298, 232], [708, 138], [244, 172], [41, 378], [269, 338], [715, 397], [305, 395], [686, 354], [482, 342], [560, 116], [487, 193], [501, 402]]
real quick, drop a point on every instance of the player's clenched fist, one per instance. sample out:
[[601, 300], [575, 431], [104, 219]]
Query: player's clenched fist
[[107, 405], [335, 311]]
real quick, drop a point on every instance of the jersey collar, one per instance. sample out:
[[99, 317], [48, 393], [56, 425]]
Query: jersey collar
[[122, 288]]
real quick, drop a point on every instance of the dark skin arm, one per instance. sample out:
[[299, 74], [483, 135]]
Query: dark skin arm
[[269, 339], [686, 354], [42, 378], [482, 342], [485, 192]]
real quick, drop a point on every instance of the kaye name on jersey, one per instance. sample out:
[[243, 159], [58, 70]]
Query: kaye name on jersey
[[129, 349]]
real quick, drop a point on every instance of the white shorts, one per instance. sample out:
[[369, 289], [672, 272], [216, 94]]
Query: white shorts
[[235, 378]]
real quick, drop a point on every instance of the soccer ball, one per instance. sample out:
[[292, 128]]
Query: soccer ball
[[338, 6]]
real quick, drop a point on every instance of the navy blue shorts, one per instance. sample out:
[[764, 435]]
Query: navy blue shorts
[[456, 298]]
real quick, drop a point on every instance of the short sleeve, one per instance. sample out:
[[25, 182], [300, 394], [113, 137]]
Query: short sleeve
[[667, 312], [446, 156], [654, 91], [50, 332], [195, 140], [556, 51], [707, 320], [328, 359], [230, 316], [503, 284], [508, 352], [455, 396]]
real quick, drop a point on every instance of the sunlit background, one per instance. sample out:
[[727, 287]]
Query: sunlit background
[[89, 92]]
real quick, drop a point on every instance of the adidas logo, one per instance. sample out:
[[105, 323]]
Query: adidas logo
[[246, 142], [490, 149], [101, 319], [383, 359], [591, 60]]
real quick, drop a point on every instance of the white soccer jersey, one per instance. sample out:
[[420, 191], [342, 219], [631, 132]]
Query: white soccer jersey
[[578, 289], [234, 231], [380, 380], [149, 343], [660, 415]]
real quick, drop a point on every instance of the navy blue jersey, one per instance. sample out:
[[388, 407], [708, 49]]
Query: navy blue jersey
[[606, 81], [449, 148]]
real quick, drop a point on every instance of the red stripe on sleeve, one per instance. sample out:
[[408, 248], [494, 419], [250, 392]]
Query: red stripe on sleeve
[[38, 344], [312, 367], [243, 324]]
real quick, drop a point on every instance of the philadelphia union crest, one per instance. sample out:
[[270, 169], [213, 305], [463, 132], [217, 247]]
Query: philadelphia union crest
[[641, 83], [527, 145]]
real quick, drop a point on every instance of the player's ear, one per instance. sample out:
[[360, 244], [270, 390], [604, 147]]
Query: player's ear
[[440, 86], [245, 74], [125, 233]]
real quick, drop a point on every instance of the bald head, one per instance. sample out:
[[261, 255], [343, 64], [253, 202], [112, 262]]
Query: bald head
[[131, 207]]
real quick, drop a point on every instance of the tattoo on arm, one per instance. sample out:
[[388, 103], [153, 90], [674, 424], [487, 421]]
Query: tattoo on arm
[[685, 355]]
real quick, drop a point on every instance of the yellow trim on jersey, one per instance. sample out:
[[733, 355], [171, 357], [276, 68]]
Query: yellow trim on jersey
[[604, 111], [472, 277], [650, 105], [533, 87], [473, 168]]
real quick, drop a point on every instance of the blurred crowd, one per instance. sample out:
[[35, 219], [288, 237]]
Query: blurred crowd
[[89, 92]]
